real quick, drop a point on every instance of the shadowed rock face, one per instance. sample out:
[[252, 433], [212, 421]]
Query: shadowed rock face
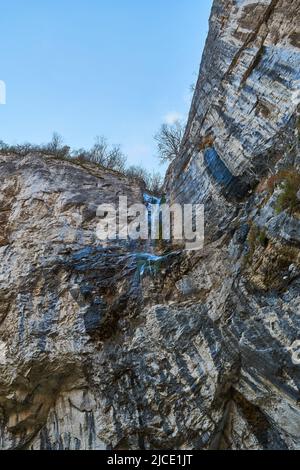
[[104, 346], [230, 185]]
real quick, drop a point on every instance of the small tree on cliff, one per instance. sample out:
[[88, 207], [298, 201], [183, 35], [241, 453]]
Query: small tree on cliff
[[169, 140], [56, 147], [101, 153], [153, 181]]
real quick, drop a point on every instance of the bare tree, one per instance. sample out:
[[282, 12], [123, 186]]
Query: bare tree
[[137, 172], [4, 148], [115, 159], [55, 147], [112, 158], [169, 140], [98, 152], [153, 181]]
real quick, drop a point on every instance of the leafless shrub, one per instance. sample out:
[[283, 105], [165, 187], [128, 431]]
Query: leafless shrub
[[110, 157], [153, 182]]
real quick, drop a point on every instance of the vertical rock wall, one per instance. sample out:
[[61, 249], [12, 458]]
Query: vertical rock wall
[[105, 347]]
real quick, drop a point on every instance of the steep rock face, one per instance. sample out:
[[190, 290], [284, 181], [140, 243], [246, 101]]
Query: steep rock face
[[239, 157], [58, 287], [103, 345], [248, 87]]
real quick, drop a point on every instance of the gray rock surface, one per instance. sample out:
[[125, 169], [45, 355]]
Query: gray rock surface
[[202, 351]]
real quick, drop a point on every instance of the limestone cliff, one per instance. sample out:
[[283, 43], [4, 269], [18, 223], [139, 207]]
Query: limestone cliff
[[104, 347]]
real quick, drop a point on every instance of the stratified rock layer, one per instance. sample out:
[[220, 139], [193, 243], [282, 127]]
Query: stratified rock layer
[[104, 346]]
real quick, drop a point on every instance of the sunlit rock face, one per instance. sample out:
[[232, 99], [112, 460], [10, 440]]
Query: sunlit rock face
[[110, 346], [59, 287], [247, 92], [248, 88], [240, 156]]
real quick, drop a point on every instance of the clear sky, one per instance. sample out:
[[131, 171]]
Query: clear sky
[[83, 68]]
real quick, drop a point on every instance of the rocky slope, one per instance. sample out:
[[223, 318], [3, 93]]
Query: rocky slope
[[105, 347]]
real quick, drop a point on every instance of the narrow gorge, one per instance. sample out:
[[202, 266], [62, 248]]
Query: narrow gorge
[[102, 346]]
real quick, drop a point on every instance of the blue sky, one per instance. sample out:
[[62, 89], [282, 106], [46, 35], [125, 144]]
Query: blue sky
[[83, 68]]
